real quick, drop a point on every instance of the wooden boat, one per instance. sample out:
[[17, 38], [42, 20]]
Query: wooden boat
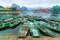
[[23, 30]]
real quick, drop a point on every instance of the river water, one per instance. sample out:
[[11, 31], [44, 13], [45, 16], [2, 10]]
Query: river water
[[44, 15], [15, 30]]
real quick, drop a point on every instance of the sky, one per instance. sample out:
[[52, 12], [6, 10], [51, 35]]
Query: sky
[[31, 3]]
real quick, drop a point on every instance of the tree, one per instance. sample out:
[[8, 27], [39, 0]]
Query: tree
[[1, 8], [56, 10]]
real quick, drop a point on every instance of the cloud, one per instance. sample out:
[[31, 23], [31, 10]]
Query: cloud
[[30, 3]]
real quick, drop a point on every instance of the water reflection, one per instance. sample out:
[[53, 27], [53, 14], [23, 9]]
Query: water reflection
[[45, 15]]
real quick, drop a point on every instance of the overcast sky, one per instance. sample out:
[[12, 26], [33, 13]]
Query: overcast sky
[[31, 3]]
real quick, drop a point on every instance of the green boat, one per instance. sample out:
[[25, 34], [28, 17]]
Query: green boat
[[54, 26], [53, 18], [36, 18], [10, 22], [44, 28], [23, 30], [34, 31], [3, 25]]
